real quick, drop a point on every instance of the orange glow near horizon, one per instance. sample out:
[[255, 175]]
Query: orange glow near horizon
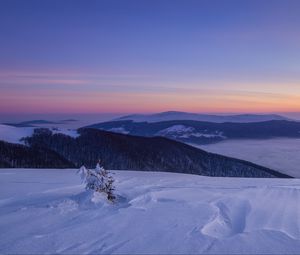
[[86, 102], [60, 92], [145, 57]]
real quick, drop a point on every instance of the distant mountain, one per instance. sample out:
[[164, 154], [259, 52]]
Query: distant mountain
[[121, 152], [34, 123], [174, 115], [199, 132], [39, 122], [69, 120]]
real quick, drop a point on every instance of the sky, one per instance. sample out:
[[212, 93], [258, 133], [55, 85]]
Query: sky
[[214, 56]]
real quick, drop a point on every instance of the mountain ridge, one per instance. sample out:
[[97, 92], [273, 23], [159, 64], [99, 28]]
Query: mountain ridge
[[199, 132], [178, 115]]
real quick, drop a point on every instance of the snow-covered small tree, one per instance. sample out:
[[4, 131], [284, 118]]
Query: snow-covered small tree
[[98, 180]]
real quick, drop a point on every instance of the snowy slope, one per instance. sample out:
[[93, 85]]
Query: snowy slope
[[47, 211], [181, 131], [175, 115]]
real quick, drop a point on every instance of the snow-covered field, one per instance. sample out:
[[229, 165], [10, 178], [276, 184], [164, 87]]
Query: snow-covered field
[[281, 154], [48, 211]]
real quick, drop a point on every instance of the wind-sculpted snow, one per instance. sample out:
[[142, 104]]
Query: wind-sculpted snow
[[48, 211], [227, 220]]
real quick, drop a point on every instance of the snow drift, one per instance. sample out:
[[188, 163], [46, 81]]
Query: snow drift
[[47, 211]]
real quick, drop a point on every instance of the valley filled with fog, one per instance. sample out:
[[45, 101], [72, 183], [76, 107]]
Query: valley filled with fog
[[281, 154]]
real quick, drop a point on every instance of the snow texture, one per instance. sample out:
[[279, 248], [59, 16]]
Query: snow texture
[[120, 130], [48, 211], [182, 131]]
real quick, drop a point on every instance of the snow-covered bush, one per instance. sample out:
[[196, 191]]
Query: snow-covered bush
[[98, 180]]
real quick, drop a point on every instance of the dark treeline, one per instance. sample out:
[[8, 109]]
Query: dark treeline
[[120, 152], [17, 155]]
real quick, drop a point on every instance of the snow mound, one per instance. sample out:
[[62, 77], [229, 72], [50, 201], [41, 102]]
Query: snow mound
[[229, 218]]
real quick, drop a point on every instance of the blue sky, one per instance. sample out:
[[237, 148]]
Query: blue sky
[[147, 56]]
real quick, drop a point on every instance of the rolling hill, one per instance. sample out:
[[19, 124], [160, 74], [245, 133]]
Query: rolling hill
[[200, 132], [118, 151], [176, 115]]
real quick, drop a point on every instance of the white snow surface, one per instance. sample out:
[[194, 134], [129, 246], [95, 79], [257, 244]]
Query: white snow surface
[[48, 211], [281, 154], [120, 130], [177, 128], [182, 131]]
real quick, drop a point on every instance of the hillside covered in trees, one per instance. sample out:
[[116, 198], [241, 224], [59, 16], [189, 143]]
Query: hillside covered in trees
[[119, 152], [17, 155]]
